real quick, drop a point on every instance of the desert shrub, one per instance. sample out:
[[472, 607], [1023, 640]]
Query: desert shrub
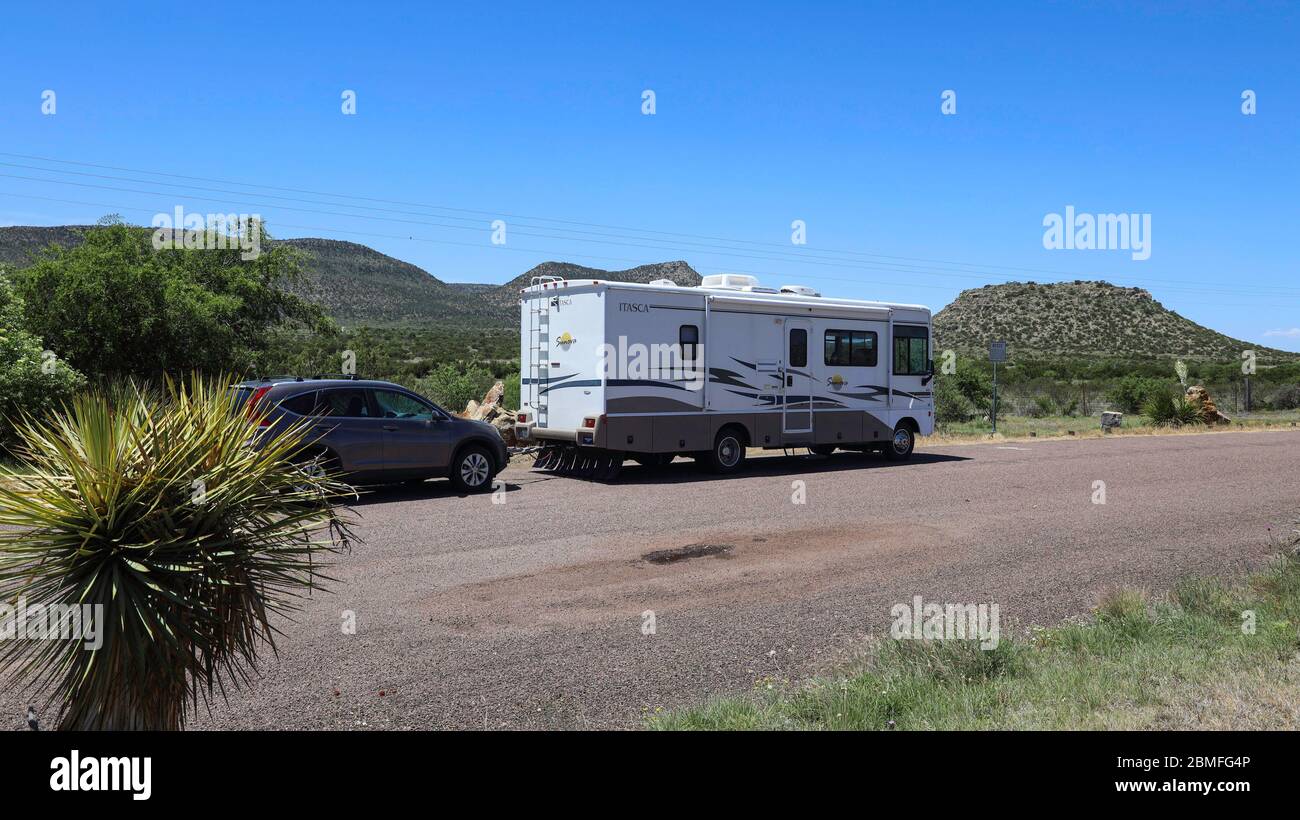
[[975, 383], [511, 398], [1288, 398], [32, 382], [1167, 410], [452, 387], [150, 504], [1132, 392], [950, 404], [1042, 406]]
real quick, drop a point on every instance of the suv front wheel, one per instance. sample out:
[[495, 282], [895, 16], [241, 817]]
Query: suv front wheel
[[472, 470]]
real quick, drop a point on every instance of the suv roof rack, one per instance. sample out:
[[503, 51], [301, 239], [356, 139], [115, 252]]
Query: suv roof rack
[[339, 376]]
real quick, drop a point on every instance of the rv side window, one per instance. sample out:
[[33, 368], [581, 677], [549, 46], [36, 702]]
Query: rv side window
[[851, 348], [911, 350], [798, 347], [689, 339]]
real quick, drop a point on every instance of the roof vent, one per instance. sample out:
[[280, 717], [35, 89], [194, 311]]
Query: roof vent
[[664, 283], [799, 290], [729, 281]]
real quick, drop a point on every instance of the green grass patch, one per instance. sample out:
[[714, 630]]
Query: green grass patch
[[1047, 426], [1182, 661]]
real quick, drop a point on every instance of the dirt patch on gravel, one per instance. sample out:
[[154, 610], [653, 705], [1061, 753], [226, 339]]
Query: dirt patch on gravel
[[705, 571], [687, 552]]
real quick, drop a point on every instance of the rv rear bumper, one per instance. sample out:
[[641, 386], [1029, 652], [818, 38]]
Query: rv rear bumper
[[585, 437]]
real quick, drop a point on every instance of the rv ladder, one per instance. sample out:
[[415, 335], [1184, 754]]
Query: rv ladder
[[539, 349]]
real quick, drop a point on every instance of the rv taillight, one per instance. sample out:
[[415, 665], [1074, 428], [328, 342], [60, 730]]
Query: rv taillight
[[522, 418], [589, 422]]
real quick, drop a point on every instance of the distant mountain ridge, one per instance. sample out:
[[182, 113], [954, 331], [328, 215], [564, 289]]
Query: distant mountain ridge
[[505, 299], [358, 285]]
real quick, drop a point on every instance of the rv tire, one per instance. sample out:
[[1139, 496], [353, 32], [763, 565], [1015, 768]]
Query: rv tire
[[728, 453], [900, 446]]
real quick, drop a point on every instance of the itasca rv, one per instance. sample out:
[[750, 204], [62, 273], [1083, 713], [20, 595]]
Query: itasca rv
[[613, 370]]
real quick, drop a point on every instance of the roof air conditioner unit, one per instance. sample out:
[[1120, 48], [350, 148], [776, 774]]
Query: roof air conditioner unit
[[664, 283], [728, 281]]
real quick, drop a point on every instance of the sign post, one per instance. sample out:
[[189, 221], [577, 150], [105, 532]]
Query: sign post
[[997, 353]]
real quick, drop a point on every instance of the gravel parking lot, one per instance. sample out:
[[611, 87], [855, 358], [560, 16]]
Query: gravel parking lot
[[530, 608]]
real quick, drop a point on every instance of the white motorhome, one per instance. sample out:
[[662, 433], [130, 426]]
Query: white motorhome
[[656, 370]]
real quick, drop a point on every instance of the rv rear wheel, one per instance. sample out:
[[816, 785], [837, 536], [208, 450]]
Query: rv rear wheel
[[728, 453], [900, 446]]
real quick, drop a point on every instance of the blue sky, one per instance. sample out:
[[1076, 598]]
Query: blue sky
[[765, 114]]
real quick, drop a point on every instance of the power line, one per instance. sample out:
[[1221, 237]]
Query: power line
[[514, 249], [800, 259], [802, 256]]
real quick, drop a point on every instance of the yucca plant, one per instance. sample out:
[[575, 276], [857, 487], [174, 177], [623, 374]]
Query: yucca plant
[[1167, 410], [154, 506]]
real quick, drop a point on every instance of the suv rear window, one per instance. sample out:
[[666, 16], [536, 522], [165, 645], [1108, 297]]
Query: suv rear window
[[304, 404], [348, 402]]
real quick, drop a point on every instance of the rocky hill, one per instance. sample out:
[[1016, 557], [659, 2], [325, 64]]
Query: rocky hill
[[20, 244], [359, 285], [504, 301], [1069, 319]]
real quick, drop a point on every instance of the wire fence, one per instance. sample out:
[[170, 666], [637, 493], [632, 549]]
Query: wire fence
[[1045, 397]]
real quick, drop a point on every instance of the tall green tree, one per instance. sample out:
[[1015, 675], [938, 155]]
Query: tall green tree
[[114, 306], [33, 379]]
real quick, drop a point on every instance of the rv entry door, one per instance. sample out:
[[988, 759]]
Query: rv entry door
[[797, 405]]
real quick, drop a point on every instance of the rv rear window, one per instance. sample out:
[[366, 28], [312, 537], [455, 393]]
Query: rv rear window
[[851, 348]]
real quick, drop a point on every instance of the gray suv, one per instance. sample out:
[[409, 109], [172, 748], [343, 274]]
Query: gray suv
[[375, 431]]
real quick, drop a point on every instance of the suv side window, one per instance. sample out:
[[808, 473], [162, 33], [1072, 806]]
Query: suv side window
[[303, 404], [345, 402], [394, 405]]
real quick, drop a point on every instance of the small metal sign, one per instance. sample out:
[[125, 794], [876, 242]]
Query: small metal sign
[[998, 352]]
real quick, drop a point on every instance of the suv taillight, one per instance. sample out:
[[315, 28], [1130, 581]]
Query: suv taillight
[[252, 406]]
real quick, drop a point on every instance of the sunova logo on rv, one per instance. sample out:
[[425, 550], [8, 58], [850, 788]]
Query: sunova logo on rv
[[683, 365]]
